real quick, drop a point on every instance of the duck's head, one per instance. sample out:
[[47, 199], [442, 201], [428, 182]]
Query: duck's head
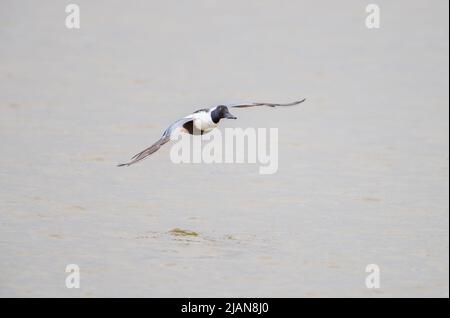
[[221, 112]]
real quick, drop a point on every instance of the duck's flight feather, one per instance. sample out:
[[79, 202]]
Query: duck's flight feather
[[155, 147], [244, 105]]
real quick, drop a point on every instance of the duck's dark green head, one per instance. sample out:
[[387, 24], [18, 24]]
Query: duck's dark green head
[[221, 112]]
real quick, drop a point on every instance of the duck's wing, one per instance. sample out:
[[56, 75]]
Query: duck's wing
[[146, 152], [155, 147], [245, 105]]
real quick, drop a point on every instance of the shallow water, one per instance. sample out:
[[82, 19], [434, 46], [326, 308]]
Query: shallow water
[[363, 164]]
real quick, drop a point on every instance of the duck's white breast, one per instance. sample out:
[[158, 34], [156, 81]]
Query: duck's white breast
[[203, 121]]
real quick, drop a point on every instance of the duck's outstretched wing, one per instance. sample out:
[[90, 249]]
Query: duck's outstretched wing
[[155, 147], [245, 105]]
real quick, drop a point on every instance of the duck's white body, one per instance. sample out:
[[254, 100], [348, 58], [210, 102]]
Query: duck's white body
[[203, 120]]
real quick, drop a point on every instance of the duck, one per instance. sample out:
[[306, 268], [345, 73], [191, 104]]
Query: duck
[[200, 122]]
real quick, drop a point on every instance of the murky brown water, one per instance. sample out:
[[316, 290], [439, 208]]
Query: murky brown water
[[363, 165]]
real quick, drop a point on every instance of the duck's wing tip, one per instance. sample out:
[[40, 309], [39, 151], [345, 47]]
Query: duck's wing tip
[[155, 147]]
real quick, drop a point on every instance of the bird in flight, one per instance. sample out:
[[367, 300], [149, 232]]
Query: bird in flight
[[199, 122]]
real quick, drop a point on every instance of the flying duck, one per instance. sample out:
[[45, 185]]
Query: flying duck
[[201, 122]]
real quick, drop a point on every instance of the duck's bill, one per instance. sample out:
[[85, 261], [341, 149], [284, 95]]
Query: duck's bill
[[229, 116]]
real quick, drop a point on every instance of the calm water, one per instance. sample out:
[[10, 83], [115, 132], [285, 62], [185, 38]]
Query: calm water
[[363, 164]]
